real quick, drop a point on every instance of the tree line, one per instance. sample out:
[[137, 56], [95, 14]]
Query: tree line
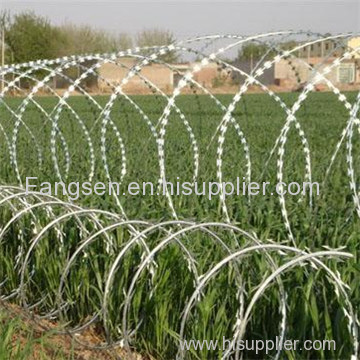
[[29, 37]]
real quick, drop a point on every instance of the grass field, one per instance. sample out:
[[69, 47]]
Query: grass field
[[313, 310]]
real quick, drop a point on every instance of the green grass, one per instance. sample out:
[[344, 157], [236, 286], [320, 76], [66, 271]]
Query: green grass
[[313, 309]]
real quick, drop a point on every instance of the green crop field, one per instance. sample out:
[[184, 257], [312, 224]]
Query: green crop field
[[155, 306]]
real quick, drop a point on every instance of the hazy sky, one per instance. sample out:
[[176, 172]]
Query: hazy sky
[[188, 18]]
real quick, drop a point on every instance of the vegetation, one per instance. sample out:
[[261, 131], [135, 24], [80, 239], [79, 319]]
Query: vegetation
[[19, 341], [22, 338], [255, 51], [29, 37], [314, 312], [156, 37], [84, 39], [32, 37]]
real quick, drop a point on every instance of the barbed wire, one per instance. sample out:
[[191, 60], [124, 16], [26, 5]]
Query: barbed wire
[[38, 223]]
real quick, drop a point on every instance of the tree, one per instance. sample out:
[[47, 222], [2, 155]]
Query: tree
[[257, 51], [254, 52], [85, 40], [123, 41], [31, 37], [288, 45], [157, 37]]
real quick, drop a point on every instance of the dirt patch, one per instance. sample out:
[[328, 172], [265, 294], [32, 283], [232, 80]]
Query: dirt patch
[[46, 343]]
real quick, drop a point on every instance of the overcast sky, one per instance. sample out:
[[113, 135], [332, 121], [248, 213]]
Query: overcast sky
[[189, 18]]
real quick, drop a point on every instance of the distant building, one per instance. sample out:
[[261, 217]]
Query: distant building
[[166, 78], [354, 43], [291, 74], [206, 76], [330, 48], [111, 75]]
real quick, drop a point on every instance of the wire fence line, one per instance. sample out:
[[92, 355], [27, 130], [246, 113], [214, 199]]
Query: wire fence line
[[39, 224]]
